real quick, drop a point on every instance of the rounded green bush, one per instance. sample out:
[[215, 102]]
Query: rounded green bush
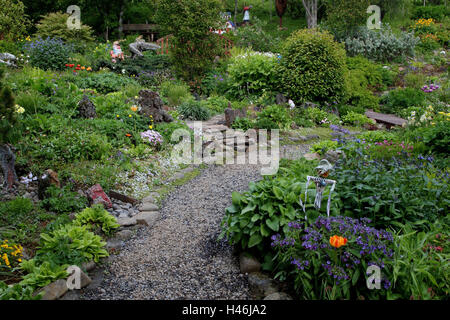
[[313, 67]]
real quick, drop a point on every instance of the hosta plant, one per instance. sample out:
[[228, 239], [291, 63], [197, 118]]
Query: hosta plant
[[97, 219]]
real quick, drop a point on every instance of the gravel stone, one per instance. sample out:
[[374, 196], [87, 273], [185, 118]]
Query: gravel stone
[[180, 257]]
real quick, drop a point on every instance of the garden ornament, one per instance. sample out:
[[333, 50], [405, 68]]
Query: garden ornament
[[247, 14], [321, 182]]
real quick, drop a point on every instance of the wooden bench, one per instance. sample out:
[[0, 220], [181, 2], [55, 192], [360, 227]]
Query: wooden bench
[[149, 30], [389, 120]]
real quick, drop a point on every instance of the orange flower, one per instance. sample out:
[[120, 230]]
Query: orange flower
[[134, 108], [82, 68], [128, 135], [337, 241]]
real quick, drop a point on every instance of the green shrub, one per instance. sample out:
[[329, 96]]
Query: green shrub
[[343, 16], [403, 189], [175, 93], [147, 64], [323, 146], [415, 80], [321, 117], [104, 82], [372, 72], [217, 104], [420, 265], [376, 136], [431, 12], [63, 200], [17, 292], [13, 20], [253, 36], [43, 274], [381, 45], [193, 110], [397, 100], [359, 96], [54, 25], [48, 54], [71, 244], [73, 145], [167, 129], [243, 124], [356, 119], [437, 137], [194, 47], [313, 67], [267, 208], [97, 219], [274, 117], [32, 101], [252, 73]]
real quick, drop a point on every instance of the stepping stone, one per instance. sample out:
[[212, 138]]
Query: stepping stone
[[388, 119], [126, 222], [54, 290], [148, 207], [217, 127], [124, 235], [148, 218]]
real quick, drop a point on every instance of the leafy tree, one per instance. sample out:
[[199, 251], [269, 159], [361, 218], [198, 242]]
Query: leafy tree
[[13, 21], [344, 16], [54, 25], [190, 21]]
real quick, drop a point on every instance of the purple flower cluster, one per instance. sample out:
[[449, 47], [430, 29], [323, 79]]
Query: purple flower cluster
[[152, 137], [300, 264], [430, 88], [335, 272], [277, 242]]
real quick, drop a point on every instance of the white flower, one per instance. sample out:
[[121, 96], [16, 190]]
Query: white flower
[[123, 71], [443, 52], [291, 104]]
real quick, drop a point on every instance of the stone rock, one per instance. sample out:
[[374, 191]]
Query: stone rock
[[54, 290], [124, 234], [113, 244], [86, 108], [152, 105], [126, 222], [312, 156], [123, 214], [84, 279], [298, 139], [261, 285], [248, 263], [148, 207], [96, 195], [278, 296], [8, 59], [88, 266], [281, 99], [148, 218], [232, 114]]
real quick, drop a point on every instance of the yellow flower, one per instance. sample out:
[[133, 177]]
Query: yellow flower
[[19, 109], [150, 127], [130, 115], [118, 116]]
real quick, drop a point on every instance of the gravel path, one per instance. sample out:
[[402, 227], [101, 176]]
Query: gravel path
[[179, 258]]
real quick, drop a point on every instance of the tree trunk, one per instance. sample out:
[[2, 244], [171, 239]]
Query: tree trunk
[[235, 11], [311, 12], [7, 161], [122, 8]]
